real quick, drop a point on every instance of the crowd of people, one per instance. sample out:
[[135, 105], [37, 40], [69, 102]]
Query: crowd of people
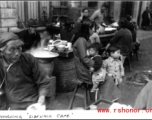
[[24, 82]]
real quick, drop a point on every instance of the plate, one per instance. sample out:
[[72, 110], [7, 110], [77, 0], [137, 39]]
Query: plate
[[43, 54], [110, 29]]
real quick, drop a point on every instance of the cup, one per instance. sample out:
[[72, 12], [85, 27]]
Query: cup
[[93, 107], [69, 45]]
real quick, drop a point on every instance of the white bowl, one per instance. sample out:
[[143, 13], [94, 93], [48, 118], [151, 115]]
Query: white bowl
[[64, 42], [57, 42], [61, 48], [36, 107]]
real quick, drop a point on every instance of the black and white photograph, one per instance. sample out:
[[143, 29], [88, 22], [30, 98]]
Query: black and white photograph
[[76, 55]]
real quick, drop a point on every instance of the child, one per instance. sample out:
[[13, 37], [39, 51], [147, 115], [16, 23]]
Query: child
[[113, 65], [98, 73]]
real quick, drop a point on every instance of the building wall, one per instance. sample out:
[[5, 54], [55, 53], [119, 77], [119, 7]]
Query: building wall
[[33, 9]]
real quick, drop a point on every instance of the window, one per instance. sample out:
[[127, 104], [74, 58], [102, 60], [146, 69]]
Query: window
[[92, 4], [63, 3], [126, 9]]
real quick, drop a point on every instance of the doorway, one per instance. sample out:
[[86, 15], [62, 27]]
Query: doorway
[[126, 9]]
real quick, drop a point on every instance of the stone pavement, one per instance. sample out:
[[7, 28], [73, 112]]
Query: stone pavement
[[142, 34]]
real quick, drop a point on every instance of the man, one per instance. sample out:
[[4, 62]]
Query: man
[[145, 19], [22, 79], [98, 15], [30, 37]]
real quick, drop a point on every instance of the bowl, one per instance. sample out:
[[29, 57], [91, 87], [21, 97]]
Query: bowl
[[61, 48], [57, 42], [64, 42], [36, 107]]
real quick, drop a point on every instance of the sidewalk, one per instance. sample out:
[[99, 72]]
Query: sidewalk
[[142, 34]]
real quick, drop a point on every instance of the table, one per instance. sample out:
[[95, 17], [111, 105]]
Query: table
[[105, 38]]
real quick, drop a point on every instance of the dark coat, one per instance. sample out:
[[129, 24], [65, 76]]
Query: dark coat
[[82, 61], [30, 40], [131, 26], [145, 19], [123, 39], [26, 80]]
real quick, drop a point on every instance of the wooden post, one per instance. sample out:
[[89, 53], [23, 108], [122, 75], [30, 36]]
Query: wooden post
[[26, 11], [39, 12], [50, 11]]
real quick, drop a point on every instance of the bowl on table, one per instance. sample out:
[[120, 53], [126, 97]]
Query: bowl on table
[[60, 48], [57, 42], [64, 42]]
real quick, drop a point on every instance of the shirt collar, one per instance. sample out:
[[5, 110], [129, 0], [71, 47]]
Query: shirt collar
[[112, 59]]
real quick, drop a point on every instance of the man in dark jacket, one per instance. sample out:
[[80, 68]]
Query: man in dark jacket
[[21, 77], [145, 18], [123, 39], [30, 37]]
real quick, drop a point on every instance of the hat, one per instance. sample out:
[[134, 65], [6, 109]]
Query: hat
[[32, 23], [6, 37]]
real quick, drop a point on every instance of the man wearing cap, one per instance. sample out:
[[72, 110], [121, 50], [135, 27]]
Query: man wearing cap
[[23, 81], [30, 37]]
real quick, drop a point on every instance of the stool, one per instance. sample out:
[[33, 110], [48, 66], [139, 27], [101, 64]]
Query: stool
[[75, 94]]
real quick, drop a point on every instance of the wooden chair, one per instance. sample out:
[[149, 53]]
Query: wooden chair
[[84, 96], [129, 63]]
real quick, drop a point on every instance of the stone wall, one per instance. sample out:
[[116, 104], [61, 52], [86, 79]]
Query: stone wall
[[8, 16]]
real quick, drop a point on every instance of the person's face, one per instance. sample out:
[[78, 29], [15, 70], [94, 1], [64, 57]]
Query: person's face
[[86, 13], [91, 31], [92, 52], [13, 50], [116, 54], [103, 9], [32, 30]]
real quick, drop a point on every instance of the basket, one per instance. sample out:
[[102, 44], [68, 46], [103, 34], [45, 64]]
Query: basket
[[65, 73]]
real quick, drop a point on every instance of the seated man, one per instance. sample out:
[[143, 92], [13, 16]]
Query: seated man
[[30, 37], [144, 99], [21, 78]]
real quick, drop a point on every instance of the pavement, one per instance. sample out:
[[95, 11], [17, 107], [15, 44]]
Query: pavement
[[142, 34]]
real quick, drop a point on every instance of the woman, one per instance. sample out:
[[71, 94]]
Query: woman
[[83, 63], [84, 15], [122, 39], [108, 90]]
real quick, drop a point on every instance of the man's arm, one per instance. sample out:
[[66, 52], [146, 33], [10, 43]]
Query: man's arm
[[40, 78], [94, 16]]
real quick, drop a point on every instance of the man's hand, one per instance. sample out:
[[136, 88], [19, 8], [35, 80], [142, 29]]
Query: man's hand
[[41, 100]]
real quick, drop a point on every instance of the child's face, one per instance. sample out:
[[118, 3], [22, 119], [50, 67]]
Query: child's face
[[116, 54], [92, 52]]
